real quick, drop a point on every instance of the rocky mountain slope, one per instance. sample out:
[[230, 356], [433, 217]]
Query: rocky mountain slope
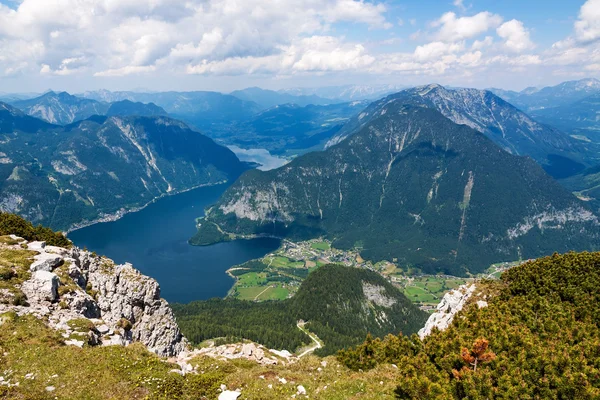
[[88, 298], [61, 108], [12, 119], [414, 186], [507, 126], [61, 176]]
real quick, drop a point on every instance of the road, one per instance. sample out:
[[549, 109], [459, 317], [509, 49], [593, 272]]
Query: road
[[317, 343]]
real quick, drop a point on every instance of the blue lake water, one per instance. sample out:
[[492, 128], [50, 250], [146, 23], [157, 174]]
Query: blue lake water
[[155, 239]]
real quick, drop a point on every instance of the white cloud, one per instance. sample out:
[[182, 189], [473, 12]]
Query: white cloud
[[587, 28], [516, 36], [120, 37], [453, 28], [481, 44], [314, 54], [435, 50], [459, 4]]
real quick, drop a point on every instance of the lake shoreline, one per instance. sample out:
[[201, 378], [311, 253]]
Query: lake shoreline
[[122, 212]]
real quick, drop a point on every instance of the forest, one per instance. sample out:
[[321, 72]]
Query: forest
[[331, 300], [537, 339]]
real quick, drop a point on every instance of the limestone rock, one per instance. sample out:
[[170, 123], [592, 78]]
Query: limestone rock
[[83, 304], [102, 292], [451, 304], [46, 262], [43, 286]]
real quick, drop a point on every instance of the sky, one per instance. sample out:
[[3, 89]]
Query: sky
[[223, 45]]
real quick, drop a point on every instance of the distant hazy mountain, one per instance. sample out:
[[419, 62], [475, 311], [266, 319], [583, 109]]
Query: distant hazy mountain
[[290, 127], [413, 185], [60, 176], [61, 108], [348, 92], [553, 96], [506, 125], [579, 118], [202, 109], [270, 98], [11, 97], [126, 108]]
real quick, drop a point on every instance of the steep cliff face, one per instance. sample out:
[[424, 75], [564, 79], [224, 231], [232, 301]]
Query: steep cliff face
[[86, 297], [415, 186]]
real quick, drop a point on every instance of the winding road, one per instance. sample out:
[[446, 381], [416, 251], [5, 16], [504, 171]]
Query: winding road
[[317, 342]]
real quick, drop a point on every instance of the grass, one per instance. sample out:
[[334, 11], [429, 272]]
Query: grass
[[419, 295], [274, 293], [321, 246], [284, 262], [252, 279], [14, 270], [8, 240], [17, 258], [249, 293], [29, 347]]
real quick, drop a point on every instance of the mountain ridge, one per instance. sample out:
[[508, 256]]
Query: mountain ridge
[[425, 184]]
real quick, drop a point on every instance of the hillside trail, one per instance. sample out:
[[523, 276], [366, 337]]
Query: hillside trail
[[317, 342]]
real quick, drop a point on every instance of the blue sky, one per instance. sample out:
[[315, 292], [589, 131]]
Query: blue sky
[[79, 45]]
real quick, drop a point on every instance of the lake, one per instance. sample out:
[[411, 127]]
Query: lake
[[155, 239]]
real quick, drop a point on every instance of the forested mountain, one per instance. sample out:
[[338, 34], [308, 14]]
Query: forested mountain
[[60, 176], [290, 127], [201, 109], [506, 125], [270, 98], [536, 338], [562, 94], [411, 184], [14, 119], [61, 108], [340, 304]]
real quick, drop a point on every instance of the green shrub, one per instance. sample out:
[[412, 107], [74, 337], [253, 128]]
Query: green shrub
[[19, 299], [16, 225], [124, 324], [7, 273]]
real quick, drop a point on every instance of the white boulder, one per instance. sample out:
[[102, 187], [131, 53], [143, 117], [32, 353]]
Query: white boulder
[[229, 395], [43, 286]]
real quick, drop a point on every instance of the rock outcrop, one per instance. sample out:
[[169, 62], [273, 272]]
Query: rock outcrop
[[117, 304], [451, 304]]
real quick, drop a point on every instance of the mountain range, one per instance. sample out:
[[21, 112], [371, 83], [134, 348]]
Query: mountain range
[[61, 176], [531, 99], [510, 128], [63, 108], [411, 185]]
